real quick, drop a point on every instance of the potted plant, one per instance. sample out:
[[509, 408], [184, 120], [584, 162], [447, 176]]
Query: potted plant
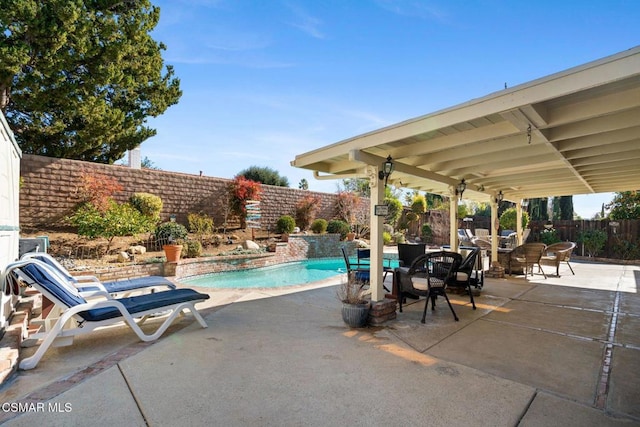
[[355, 306], [170, 235], [285, 226], [351, 235]]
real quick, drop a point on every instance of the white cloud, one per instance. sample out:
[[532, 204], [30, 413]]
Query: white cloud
[[414, 9], [306, 23]]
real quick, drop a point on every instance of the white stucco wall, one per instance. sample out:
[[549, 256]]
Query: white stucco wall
[[9, 214]]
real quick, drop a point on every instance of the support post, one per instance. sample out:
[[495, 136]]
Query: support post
[[495, 238], [377, 244], [519, 230], [453, 219]]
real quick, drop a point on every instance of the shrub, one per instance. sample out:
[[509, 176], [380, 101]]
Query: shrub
[[98, 189], [463, 211], [319, 226], [508, 219], [403, 224], [412, 216], [398, 237], [419, 204], [240, 191], [148, 204], [395, 210], [117, 220], [306, 210], [549, 236], [625, 248], [426, 232], [170, 232], [200, 224], [346, 205], [386, 237], [191, 249], [285, 224], [593, 241], [339, 227]]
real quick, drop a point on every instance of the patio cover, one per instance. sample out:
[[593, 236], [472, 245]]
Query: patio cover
[[573, 132]]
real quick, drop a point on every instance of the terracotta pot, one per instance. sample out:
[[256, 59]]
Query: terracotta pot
[[351, 236], [172, 252]]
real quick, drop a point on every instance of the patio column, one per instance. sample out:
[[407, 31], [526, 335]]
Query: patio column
[[377, 244], [519, 231], [495, 223], [453, 219]]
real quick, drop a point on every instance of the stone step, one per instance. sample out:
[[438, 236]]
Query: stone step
[[16, 332]]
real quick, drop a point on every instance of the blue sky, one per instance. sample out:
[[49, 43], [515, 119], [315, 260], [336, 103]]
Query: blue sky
[[266, 80]]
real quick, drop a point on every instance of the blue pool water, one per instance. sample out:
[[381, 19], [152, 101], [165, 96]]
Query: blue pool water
[[293, 273]]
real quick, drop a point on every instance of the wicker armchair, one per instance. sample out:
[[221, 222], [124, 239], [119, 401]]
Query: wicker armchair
[[527, 255], [557, 253]]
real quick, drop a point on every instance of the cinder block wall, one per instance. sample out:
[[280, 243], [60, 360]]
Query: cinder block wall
[[50, 187]]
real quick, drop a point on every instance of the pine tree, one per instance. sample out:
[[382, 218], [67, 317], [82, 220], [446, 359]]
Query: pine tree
[[78, 79]]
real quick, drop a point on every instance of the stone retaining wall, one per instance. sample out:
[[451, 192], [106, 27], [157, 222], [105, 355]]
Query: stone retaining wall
[[50, 187]]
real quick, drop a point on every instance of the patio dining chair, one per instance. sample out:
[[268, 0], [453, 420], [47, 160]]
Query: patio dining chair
[[465, 275], [407, 252], [361, 271], [364, 261], [428, 276]]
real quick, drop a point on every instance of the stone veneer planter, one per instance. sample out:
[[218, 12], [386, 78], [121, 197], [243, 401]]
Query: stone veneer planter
[[299, 247]]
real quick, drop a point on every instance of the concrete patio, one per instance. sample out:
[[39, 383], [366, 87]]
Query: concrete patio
[[561, 351]]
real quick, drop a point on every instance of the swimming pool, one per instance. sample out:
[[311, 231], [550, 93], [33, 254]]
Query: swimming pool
[[289, 274]]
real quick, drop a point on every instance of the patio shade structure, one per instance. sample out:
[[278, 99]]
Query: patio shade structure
[[573, 132]]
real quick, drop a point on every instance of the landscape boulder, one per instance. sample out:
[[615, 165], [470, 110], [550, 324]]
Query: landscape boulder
[[251, 245]]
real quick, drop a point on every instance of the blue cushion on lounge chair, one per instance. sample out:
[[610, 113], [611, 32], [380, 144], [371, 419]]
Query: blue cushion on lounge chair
[[133, 305], [129, 284], [67, 295], [111, 287], [142, 303]]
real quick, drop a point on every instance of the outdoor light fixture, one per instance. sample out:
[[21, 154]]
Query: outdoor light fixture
[[460, 188], [387, 168], [524, 203], [499, 197]]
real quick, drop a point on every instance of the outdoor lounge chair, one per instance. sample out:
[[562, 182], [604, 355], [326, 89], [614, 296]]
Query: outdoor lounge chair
[[557, 253], [79, 316], [464, 235], [428, 276], [90, 285], [482, 233]]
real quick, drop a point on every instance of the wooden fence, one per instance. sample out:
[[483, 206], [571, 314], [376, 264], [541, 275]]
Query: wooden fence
[[623, 237]]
